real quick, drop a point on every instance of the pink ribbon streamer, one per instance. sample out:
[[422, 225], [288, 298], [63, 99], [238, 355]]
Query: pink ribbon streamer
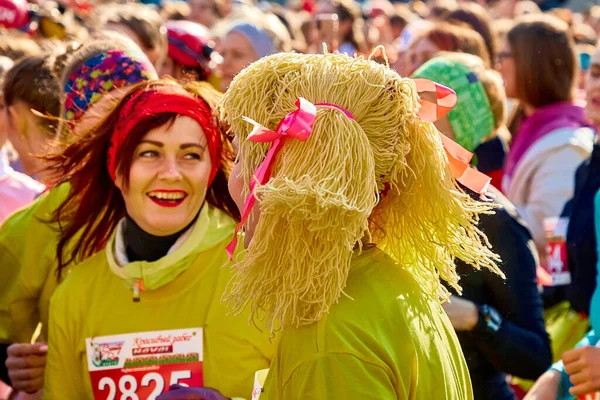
[[296, 125], [458, 157]]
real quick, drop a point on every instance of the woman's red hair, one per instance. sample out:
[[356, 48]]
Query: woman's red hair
[[94, 205]]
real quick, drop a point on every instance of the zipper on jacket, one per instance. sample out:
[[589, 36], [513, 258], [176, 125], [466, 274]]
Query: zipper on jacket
[[138, 285]]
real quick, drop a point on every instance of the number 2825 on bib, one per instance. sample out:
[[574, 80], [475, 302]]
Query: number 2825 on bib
[[141, 366]]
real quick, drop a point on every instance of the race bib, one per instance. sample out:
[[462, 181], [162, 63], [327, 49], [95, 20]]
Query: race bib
[[142, 366], [259, 383], [557, 265]]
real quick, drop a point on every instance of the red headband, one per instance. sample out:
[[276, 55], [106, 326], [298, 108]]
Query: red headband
[[158, 100]]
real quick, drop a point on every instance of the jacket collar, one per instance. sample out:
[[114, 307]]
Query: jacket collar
[[212, 227]]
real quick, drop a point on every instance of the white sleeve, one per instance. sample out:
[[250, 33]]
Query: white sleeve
[[550, 187]]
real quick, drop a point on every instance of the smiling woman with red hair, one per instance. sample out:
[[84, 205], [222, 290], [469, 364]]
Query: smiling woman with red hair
[[161, 163]]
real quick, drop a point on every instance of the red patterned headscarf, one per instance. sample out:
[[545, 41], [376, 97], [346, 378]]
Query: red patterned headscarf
[[165, 99]]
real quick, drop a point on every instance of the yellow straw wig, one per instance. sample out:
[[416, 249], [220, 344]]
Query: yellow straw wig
[[327, 195]]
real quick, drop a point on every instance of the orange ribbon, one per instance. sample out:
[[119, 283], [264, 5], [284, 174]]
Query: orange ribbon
[[458, 157]]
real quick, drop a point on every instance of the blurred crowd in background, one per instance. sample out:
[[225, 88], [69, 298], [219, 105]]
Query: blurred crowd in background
[[530, 122]]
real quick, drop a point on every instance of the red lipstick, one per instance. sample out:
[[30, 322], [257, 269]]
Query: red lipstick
[[167, 198]]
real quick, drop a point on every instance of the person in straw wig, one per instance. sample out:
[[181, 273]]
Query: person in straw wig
[[357, 217]]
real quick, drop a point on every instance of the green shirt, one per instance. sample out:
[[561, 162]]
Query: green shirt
[[95, 300], [384, 340], [27, 266]]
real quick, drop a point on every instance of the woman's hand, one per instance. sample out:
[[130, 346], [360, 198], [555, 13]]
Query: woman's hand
[[462, 313], [26, 364], [178, 392], [546, 387], [583, 367]]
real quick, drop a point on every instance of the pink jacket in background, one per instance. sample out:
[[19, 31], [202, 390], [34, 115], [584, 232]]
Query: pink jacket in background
[[16, 189]]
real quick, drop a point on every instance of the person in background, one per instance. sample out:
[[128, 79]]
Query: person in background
[[191, 52], [243, 44], [29, 261], [351, 35], [476, 17], [16, 45], [310, 33], [499, 323], [32, 99], [554, 138], [140, 23], [410, 33], [400, 19], [377, 18], [501, 27], [489, 143], [16, 189], [581, 238], [204, 12], [576, 374], [29, 85], [583, 211], [292, 23], [446, 37]]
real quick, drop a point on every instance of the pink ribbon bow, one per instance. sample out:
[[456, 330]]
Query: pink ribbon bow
[[458, 157], [297, 125]]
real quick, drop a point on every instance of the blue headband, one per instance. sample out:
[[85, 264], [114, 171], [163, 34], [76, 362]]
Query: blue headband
[[258, 37]]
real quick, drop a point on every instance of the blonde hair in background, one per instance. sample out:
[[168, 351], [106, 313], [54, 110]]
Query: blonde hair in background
[[323, 200]]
